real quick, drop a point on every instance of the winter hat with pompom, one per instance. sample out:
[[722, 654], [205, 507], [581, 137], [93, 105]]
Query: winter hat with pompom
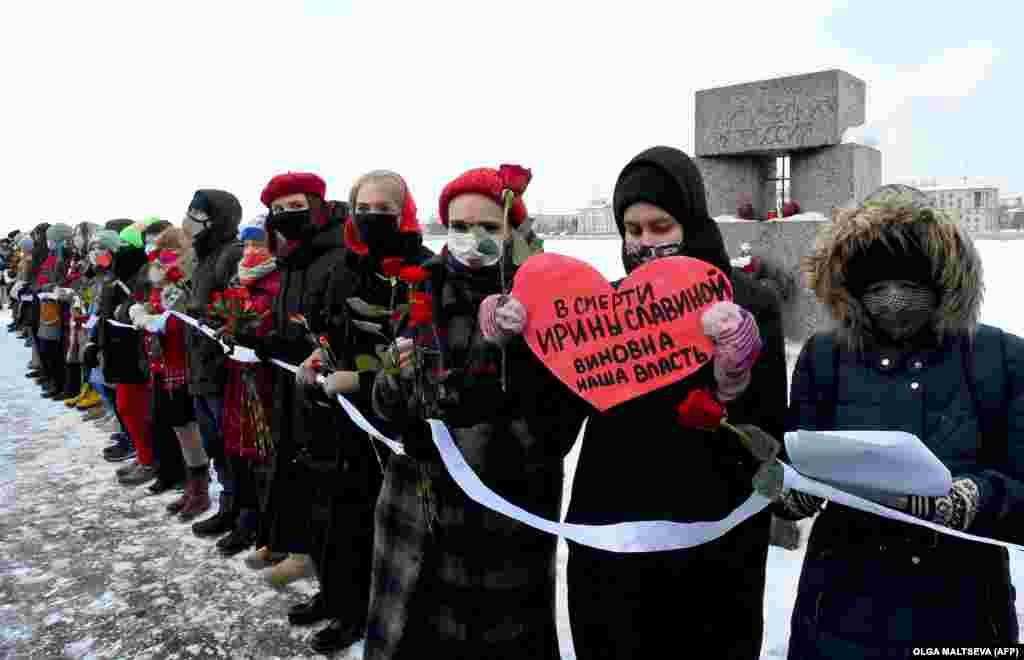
[[254, 229], [485, 181]]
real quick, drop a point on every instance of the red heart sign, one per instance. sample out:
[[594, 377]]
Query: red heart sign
[[612, 345]]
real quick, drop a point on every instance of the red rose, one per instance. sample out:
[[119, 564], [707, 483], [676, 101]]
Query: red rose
[[153, 256], [413, 274], [323, 341], [515, 178], [216, 296], [390, 266], [421, 309], [701, 411], [175, 275], [43, 280]]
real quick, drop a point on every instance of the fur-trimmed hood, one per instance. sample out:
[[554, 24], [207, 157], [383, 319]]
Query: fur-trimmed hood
[[955, 264]]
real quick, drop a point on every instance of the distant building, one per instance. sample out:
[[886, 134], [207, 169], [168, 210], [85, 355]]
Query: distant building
[[1011, 210], [556, 223], [976, 205], [597, 218]]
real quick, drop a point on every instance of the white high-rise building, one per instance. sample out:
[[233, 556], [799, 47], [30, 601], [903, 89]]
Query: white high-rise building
[[975, 204]]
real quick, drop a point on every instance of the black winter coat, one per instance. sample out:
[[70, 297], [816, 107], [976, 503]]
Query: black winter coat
[[869, 582], [217, 255], [123, 357], [322, 460]]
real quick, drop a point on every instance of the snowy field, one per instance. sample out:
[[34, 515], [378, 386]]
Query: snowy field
[[90, 569]]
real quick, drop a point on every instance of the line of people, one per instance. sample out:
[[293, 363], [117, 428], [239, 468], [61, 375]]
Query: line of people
[[348, 290]]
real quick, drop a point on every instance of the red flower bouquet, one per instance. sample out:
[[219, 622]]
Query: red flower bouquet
[[421, 308], [235, 310], [515, 178], [413, 274], [390, 266], [702, 411]]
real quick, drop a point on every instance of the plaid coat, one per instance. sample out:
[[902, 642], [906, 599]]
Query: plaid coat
[[451, 578]]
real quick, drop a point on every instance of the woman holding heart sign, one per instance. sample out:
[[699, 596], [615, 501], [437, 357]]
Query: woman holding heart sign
[[638, 462]]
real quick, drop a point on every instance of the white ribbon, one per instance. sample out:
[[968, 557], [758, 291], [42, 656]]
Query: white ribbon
[[27, 298], [797, 481], [47, 296], [118, 324], [624, 537], [156, 324]]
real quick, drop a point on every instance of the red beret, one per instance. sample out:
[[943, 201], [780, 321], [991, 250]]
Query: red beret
[[291, 183], [484, 181]]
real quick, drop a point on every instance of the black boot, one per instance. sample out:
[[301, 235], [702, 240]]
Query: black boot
[[50, 390], [220, 523], [72, 381], [308, 613], [336, 636], [239, 539]]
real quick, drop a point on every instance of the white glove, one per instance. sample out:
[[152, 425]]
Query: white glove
[[154, 323], [341, 382], [136, 313]]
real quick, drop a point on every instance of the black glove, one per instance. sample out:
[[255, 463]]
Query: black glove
[[91, 356], [256, 343]]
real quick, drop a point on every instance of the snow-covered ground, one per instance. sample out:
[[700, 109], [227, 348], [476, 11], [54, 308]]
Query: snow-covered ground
[[89, 569]]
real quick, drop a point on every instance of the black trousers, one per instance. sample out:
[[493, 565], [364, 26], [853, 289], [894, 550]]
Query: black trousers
[[342, 540], [50, 354]]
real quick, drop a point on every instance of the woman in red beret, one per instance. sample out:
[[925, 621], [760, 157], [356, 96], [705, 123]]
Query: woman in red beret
[[451, 578]]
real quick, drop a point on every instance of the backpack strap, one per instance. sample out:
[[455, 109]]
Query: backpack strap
[[824, 368], [986, 355]]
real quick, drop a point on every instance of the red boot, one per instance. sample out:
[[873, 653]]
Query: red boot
[[200, 500], [177, 505]]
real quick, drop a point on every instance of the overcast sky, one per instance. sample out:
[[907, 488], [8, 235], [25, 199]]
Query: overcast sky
[[123, 109]]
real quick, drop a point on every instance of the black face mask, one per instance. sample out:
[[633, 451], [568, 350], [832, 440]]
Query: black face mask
[[293, 225], [380, 233], [635, 255]]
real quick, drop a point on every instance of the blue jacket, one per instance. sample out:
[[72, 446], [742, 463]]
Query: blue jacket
[[871, 586]]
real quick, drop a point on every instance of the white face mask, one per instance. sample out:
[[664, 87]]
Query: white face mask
[[155, 276], [474, 248]]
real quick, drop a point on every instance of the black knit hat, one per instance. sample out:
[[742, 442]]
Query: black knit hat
[[888, 260], [651, 184]]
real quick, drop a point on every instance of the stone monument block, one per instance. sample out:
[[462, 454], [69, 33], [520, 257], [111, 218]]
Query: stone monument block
[[785, 243], [824, 179], [779, 115], [727, 180]]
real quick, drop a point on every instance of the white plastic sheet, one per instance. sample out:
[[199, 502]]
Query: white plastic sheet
[[869, 462]]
